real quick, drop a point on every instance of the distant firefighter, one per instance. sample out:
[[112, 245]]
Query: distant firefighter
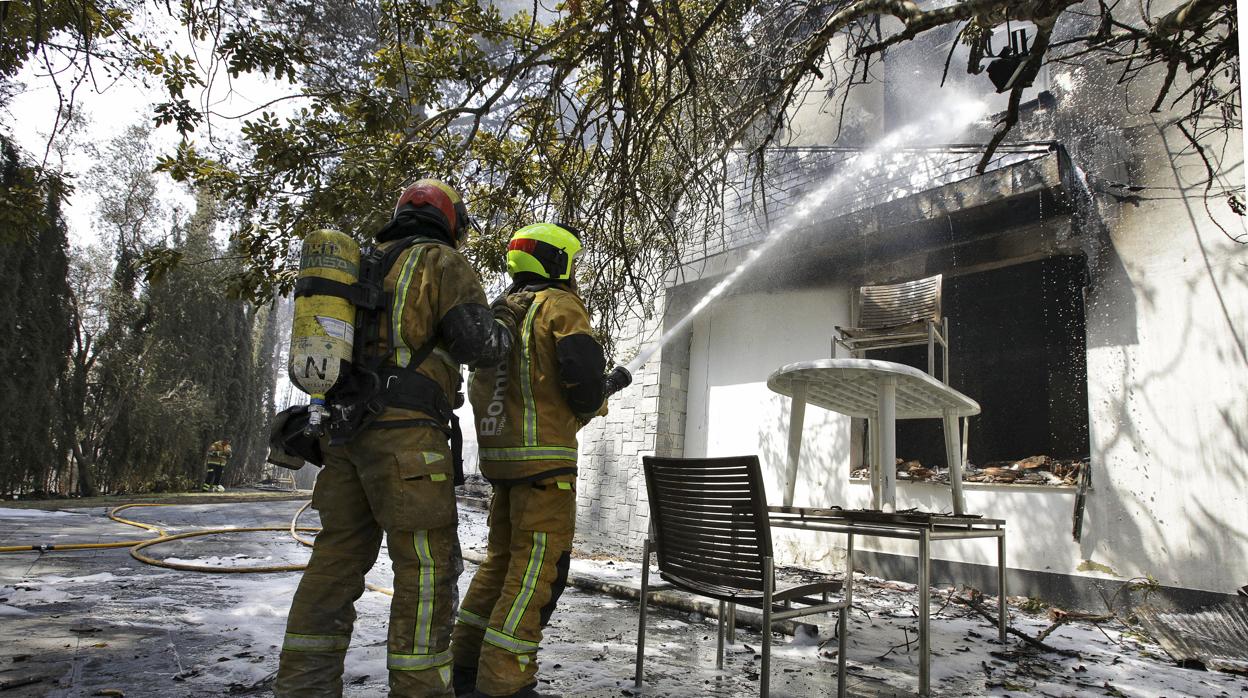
[[218, 455]]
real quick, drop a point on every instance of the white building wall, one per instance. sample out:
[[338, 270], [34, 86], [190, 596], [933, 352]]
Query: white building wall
[[1167, 363], [736, 344], [1168, 386], [645, 418]]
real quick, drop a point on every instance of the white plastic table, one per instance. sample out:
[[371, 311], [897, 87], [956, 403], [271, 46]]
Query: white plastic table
[[881, 392]]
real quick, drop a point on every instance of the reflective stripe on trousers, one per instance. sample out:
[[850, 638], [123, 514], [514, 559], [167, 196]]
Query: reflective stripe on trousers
[[469, 618], [510, 643], [417, 662], [521, 604], [427, 595]]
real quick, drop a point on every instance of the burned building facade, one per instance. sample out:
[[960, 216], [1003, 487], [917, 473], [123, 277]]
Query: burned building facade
[[1098, 306]]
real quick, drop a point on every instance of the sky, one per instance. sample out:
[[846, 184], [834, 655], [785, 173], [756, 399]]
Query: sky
[[112, 108]]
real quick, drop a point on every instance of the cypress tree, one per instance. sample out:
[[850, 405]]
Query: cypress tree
[[36, 308]]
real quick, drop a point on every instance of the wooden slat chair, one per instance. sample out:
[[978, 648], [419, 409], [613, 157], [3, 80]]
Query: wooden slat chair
[[709, 526], [899, 315]]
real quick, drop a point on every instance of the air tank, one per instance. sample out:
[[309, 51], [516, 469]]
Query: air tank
[[323, 331]]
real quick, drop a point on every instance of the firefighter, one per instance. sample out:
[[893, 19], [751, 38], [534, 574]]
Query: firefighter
[[527, 410], [395, 475], [218, 455]]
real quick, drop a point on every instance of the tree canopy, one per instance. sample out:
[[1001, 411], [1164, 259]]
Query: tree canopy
[[615, 116]]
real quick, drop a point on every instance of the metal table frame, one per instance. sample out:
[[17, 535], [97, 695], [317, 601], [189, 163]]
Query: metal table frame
[[883, 392], [942, 528]]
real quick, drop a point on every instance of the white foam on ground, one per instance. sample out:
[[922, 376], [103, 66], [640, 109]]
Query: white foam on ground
[[33, 513], [244, 618], [216, 560], [88, 579]]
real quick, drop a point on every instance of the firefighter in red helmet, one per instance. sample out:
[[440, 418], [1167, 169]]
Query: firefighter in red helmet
[[395, 475]]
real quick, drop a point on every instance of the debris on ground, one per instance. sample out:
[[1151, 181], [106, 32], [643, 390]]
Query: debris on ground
[[1033, 470], [1216, 637], [76, 623]]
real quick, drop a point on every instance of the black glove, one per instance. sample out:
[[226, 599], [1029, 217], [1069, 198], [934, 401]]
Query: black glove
[[510, 310], [289, 447]]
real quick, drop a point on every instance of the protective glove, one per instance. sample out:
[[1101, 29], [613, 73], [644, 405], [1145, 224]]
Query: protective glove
[[289, 447], [510, 309]]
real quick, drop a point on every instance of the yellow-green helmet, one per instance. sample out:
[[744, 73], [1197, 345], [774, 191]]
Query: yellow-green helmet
[[545, 249]]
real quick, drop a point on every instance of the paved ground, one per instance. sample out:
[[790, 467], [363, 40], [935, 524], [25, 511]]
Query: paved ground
[[86, 623]]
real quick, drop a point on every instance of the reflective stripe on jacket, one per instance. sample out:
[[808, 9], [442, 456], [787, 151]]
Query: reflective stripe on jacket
[[526, 427], [427, 282]]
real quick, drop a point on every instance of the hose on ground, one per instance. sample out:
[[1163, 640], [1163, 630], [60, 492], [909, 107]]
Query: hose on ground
[[54, 547], [137, 546]]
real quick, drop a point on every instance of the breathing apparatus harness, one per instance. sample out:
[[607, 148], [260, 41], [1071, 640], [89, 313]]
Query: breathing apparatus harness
[[371, 386]]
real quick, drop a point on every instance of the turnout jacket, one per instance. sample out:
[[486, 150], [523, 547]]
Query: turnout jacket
[[434, 292], [529, 406], [219, 452]]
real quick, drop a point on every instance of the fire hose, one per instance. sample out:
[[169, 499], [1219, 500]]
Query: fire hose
[[137, 546]]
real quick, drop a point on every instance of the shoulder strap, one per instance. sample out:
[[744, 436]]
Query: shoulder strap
[[380, 270]]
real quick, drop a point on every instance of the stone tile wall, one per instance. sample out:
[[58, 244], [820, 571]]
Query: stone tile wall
[[647, 418]]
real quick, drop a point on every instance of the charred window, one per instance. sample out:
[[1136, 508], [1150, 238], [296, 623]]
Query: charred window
[[1018, 348]]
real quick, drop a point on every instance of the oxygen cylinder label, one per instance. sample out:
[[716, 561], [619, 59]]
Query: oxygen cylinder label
[[337, 329]]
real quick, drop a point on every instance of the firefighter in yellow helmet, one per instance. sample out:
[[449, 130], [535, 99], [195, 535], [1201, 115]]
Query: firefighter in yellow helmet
[[392, 471], [527, 410]]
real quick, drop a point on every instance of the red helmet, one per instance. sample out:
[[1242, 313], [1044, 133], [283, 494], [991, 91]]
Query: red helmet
[[436, 202]]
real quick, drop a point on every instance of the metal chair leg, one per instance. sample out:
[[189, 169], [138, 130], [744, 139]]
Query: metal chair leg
[[842, 641], [931, 349], [769, 585], [945, 353], [925, 590], [732, 623], [719, 649], [641, 621]]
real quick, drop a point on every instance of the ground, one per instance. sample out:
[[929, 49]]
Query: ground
[[85, 623]]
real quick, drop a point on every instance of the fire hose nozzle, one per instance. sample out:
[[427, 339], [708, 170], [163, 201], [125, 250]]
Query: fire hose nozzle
[[618, 379]]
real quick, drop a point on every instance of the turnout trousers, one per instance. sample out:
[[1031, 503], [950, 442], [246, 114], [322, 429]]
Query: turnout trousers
[[400, 482], [515, 590], [215, 471]]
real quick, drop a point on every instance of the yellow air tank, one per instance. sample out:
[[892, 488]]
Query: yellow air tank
[[323, 329]]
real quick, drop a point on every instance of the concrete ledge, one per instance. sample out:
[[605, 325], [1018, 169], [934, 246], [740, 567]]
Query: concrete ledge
[[1072, 592]]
